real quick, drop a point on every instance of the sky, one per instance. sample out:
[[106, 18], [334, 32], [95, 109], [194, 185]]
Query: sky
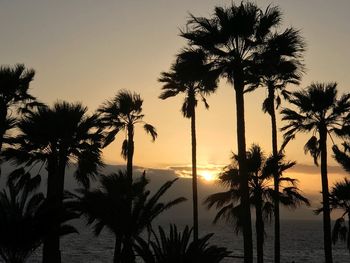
[[87, 50]]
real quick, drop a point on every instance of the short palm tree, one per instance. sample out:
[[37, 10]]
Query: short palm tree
[[24, 217], [176, 247], [20, 217], [193, 76], [232, 37], [280, 65], [340, 199], [122, 113], [57, 136], [262, 194], [125, 207], [318, 111]]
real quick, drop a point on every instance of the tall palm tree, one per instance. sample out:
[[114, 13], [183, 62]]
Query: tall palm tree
[[318, 111], [57, 136], [340, 199], [192, 75], [233, 37], [177, 248], [262, 194], [122, 113], [125, 207], [280, 65]]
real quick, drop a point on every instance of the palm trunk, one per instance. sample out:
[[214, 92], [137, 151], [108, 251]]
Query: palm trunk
[[127, 252], [3, 117], [325, 196], [272, 113], [117, 251], [194, 176], [348, 239], [247, 224], [259, 224], [130, 150], [51, 248]]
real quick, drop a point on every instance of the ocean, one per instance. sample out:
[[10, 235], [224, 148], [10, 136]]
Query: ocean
[[301, 241]]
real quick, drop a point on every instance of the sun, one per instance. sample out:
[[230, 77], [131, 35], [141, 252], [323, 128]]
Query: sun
[[208, 175]]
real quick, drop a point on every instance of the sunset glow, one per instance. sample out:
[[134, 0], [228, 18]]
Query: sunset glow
[[208, 175]]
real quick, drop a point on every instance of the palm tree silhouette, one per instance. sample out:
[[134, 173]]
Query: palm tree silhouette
[[192, 75], [125, 207], [14, 96], [318, 111], [262, 194], [176, 247], [20, 218], [23, 217], [121, 114], [280, 65], [233, 37], [58, 136], [340, 199], [342, 156]]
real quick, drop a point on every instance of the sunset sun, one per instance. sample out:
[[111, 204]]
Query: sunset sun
[[208, 175]]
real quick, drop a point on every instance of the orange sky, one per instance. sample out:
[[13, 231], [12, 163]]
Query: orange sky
[[86, 50]]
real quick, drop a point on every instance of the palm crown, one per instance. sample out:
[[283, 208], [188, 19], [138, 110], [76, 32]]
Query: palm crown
[[14, 96], [64, 131], [318, 109], [233, 37], [280, 64], [260, 172], [123, 206], [190, 74], [122, 113]]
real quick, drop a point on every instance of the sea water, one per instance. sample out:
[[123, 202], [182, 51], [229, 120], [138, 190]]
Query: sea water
[[301, 241]]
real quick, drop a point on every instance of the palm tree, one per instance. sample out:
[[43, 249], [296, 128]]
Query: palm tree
[[262, 194], [58, 136], [280, 65], [14, 86], [342, 156], [23, 217], [318, 111], [125, 207], [177, 248], [192, 75], [20, 218], [232, 38], [340, 199], [121, 114]]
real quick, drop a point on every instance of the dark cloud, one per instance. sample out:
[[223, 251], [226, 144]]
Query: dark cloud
[[183, 187]]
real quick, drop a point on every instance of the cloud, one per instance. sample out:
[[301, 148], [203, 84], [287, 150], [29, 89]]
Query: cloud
[[307, 174]]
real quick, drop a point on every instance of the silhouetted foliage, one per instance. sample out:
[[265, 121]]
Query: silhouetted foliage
[[194, 76], [176, 247], [58, 136], [319, 112], [340, 199], [14, 98], [261, 192], [280, 64], [125, 207], [24, 217], [122, 113], [233, 37], [342, 155]]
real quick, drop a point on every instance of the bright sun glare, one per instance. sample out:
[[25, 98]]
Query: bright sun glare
[[208, 175]]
